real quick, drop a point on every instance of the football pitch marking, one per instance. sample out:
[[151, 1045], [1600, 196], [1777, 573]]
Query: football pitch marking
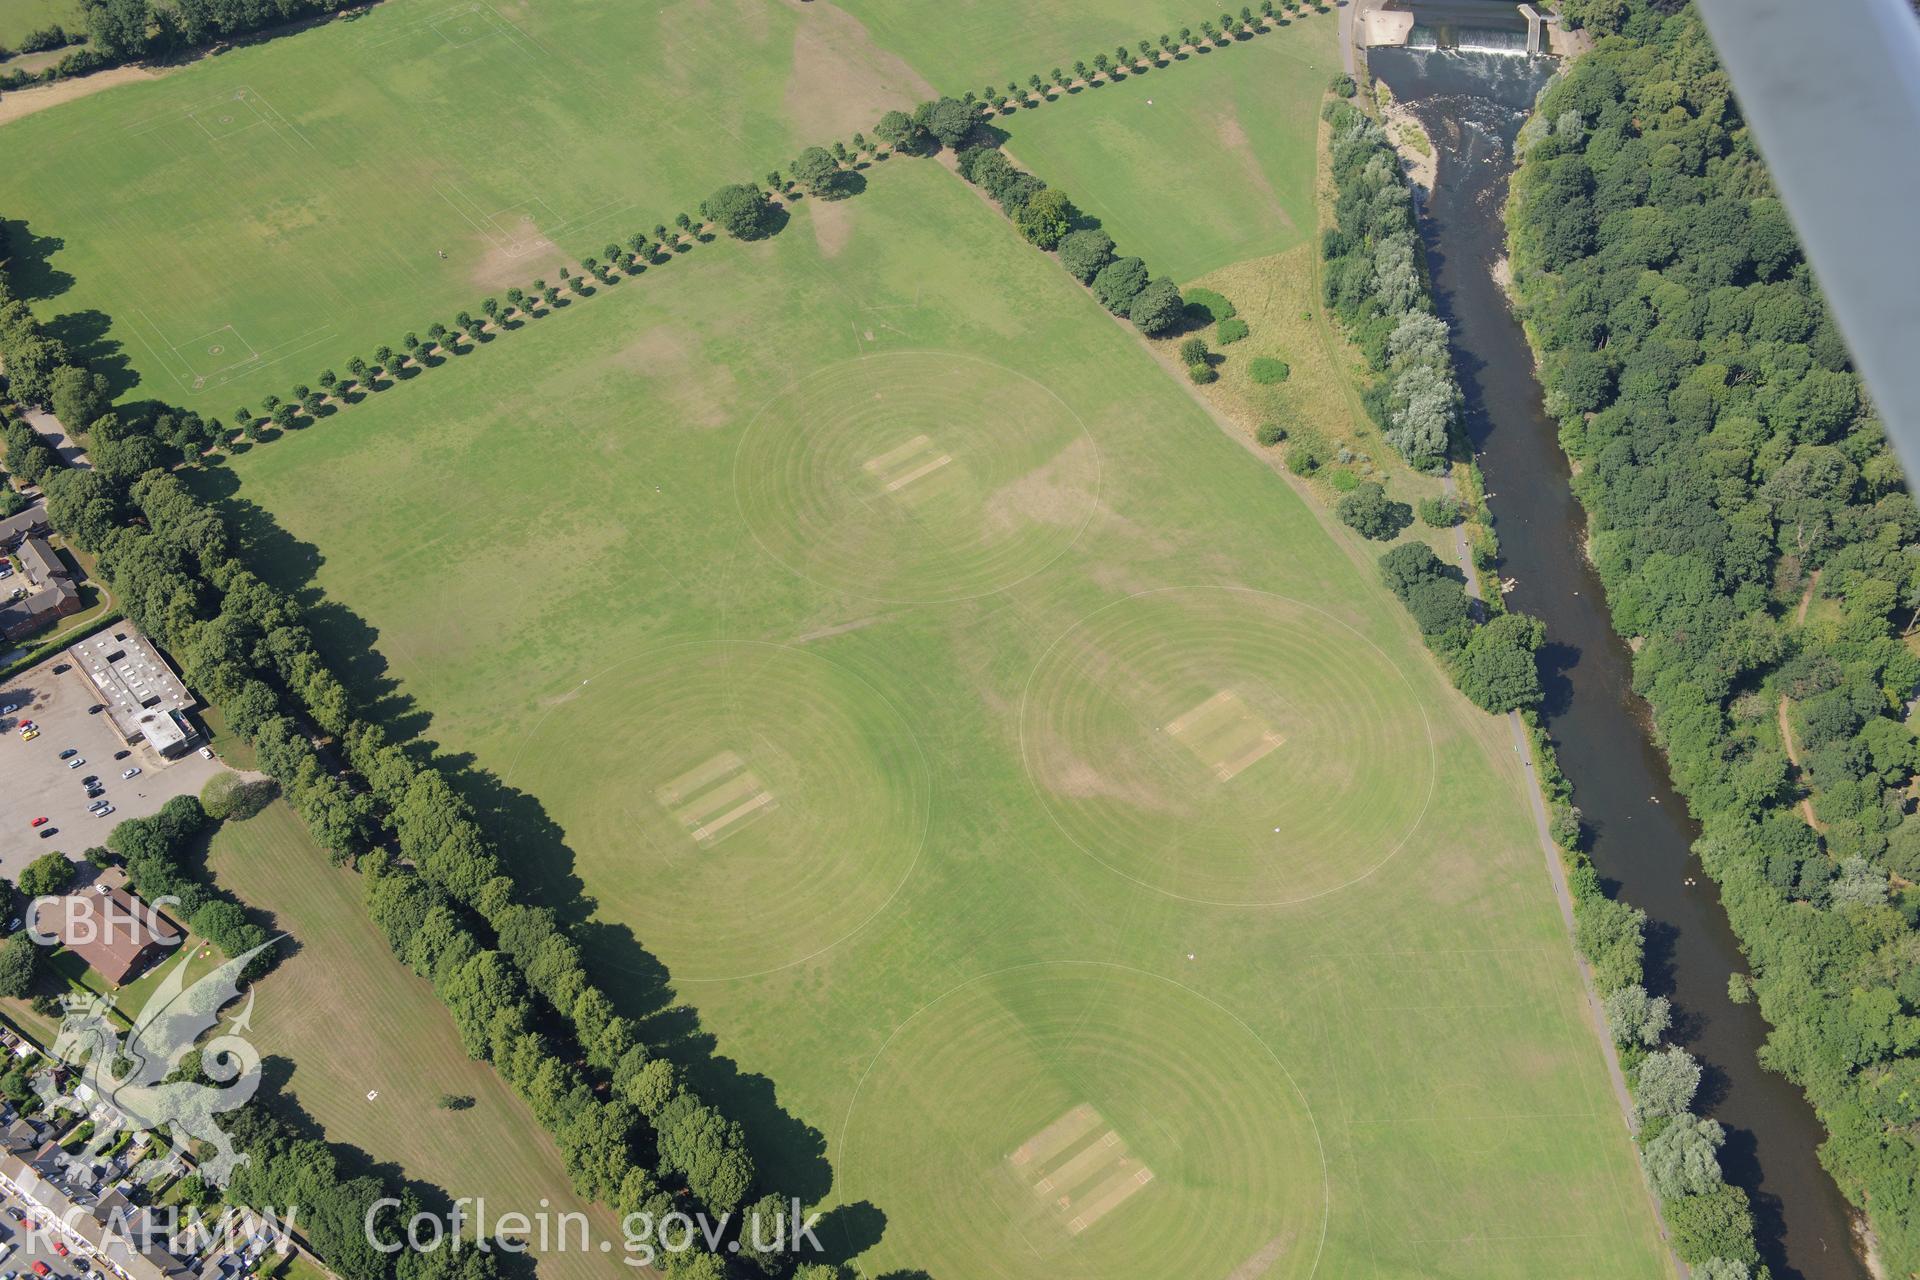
[[218, 356], [464, 25], [227, 116], [716, 799]]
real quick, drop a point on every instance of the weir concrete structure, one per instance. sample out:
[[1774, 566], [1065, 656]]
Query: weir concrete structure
[[1391, 25]]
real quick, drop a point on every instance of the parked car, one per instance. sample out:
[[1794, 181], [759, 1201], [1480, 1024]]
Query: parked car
[[29, 735], [94, 793], [41, 1269], [9, 709], [90, 780], [14, 1213], [121, 755], [49, 831], [82, 1265], [38, 822], [103, 812], [96, 708], [60, 1247], [70, 753], [130, 773], [206, 753], [27, 724], [78, 762]]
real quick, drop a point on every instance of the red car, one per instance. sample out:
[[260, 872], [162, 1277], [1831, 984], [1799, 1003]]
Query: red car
[[60, 1248], [40, 1268], [38, 822]]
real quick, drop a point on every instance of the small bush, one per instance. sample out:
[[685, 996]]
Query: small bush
[[1267, 371], [1271, 434], [1231, 331], [1304, 458], [1343, 85], [1344, 481], [1216, 307], [1440, 513], [1202, 373], [1193, 351]]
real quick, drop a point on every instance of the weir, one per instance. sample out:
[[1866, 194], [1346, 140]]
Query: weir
[[1498, 27]]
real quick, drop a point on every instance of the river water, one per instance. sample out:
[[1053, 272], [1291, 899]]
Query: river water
[[1472, 105]]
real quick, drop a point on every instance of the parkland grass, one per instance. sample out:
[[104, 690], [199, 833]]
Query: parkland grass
[[1047, 804], [1200, 165], [293, 203], [20, 17], [366, 1048]]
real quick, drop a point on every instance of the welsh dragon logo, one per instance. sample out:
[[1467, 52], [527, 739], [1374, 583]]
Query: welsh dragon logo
[[135, 1085]]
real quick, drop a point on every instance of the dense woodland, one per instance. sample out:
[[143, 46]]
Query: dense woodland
[[1757, 541]]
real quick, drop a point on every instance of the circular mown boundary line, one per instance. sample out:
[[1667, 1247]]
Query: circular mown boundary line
[[746, 436], [893, 709], [1306, 1108], [1426, 722]]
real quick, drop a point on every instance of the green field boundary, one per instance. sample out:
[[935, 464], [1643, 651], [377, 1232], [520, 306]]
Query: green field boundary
[[636, 254]]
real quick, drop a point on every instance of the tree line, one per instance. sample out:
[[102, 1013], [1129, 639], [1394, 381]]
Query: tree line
[[1757, 541], [634, 1131], [744, 210], [115, 32], [1125, 60], [1375, 280], [1051, 223]]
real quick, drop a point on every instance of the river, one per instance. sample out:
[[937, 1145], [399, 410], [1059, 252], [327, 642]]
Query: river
[[1472, 106]]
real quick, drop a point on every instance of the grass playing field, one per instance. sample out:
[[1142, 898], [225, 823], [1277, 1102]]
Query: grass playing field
[[290, 204], [1036, 793], [18, 17], [344, 1020], [1200, 165]]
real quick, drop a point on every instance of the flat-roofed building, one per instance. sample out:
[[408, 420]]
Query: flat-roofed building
[[144, 697]]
